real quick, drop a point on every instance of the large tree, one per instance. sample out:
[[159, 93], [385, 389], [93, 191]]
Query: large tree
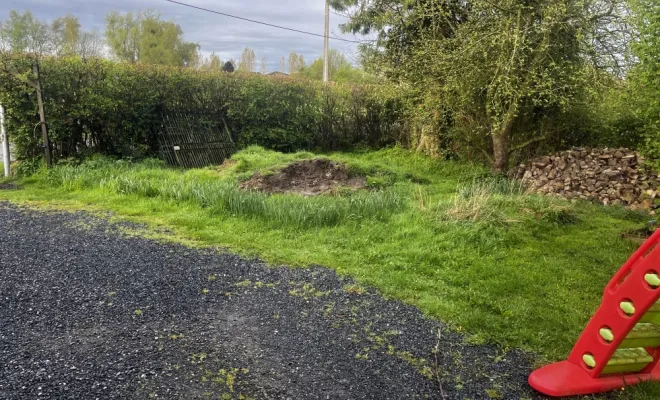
[[645, 76], [65, 34], [145, 38], [122, 33], [479, 67], [90, 44], [24, 33]]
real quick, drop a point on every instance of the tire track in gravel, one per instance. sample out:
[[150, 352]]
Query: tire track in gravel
[[88, 312]]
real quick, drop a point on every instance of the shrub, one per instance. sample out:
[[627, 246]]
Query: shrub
[[98, 106]]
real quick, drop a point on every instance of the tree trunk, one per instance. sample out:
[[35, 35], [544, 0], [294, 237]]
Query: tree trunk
[[501, 148], [429, 142], [502, 138]]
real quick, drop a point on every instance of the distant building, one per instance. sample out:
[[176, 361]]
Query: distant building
[[277, 73]]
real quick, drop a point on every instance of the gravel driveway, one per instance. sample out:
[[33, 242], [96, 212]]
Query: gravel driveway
[[88, 311]]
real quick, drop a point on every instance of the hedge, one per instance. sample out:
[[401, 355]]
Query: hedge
[[99, 106]]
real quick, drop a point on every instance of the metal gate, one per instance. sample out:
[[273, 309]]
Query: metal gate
[[194, 141]]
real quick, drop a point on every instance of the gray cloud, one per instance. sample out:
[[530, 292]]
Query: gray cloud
[[225, 36]]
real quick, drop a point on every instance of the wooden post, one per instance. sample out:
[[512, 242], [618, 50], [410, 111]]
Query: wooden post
[[5, 142], [42, 116]]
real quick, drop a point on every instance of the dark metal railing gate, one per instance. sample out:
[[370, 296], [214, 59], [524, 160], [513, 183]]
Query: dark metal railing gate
[[194, 141]]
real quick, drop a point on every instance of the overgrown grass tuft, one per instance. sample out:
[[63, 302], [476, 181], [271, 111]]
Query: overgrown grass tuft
[[206, 189], [503, 201]]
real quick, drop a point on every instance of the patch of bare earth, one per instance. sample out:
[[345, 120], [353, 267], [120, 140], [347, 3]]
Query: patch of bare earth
[[309, 178]]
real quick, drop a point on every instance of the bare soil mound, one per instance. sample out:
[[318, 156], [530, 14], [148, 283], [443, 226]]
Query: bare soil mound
[[309, 178]]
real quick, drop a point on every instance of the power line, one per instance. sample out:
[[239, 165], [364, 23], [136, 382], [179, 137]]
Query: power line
[[262, 23]]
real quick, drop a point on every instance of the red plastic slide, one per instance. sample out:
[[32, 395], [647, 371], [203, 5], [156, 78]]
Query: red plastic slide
[[621, 344]]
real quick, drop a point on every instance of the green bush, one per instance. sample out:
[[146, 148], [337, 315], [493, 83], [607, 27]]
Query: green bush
[[99, 106]]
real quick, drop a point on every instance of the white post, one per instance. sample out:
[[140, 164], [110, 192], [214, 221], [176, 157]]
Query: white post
[[326, 40], [4, 140]]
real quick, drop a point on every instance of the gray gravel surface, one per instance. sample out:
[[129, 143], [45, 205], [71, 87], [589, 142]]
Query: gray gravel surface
[[88, 311]]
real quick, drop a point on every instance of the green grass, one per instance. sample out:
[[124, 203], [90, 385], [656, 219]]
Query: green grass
[[497, 263]]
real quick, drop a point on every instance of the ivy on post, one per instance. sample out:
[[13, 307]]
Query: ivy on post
[[42, 117]]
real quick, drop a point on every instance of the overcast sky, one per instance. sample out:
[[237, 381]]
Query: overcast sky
[[226, 36]]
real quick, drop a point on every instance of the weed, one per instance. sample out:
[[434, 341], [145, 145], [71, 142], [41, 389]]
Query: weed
[[355, 289], [198, 358], [327, 309], [307, 291], [494, 394], [225, 377]]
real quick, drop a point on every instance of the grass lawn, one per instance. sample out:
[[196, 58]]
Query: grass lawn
[[498, 264]]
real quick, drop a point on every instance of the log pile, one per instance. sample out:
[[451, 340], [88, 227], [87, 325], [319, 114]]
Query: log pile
[[608, 176]]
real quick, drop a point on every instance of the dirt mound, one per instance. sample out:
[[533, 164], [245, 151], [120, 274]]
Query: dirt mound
[[309, 178]]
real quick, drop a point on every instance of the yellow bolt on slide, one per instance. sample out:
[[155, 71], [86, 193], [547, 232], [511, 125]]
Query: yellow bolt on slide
[[627, 307], [607, 335], [652, 279]]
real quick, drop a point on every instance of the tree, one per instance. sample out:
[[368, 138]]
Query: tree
[[24, 33], [264, 67], [282, 67], [211, 63], [62, 37], [65, 34], [645, 75], [248, 60], [122, 33], [340, 70], [228, 67], [481, 67], [89, 44], [215, 63], [147, 39], [296, 63]]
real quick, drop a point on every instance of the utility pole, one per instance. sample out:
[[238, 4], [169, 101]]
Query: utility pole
[[326, 39], [5, 141], [42, 116]]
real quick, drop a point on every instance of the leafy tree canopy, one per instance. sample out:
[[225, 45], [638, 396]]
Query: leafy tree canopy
[[480, 67], [339, 68], [228, 67], [145, 38], [23, 33], [645, 76]]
